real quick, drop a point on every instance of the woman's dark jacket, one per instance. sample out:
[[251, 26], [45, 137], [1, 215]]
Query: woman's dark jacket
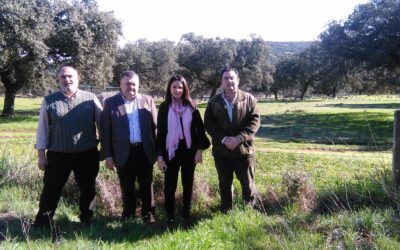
[[197, 131]]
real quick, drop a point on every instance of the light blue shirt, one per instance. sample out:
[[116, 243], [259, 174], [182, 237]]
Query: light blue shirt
[[133, 117], [229, 106]]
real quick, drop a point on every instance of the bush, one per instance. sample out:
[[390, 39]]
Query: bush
[[300, 190]]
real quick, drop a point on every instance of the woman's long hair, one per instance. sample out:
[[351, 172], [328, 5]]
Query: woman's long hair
[[186, 99]]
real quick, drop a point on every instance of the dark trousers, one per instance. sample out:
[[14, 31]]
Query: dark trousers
[[244, 170], [137, 166], [184, 160], [84, 165]]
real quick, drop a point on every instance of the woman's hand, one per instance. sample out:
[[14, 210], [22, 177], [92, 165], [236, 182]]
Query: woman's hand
[[110, 163], [198, 157], [162, 165]]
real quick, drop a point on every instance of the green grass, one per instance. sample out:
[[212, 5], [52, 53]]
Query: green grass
[[341, 148]]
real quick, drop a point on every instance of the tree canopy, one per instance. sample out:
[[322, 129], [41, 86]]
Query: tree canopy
[[37, 36], [24, 28], [366, 47], [155, 62]]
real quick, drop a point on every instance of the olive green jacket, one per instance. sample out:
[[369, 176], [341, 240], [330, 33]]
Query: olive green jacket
[[245, 123]]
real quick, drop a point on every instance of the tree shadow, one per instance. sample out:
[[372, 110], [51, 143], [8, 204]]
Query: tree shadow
[[352, 128], [108, 229], [20, 117], [289, 100], [363, 105]]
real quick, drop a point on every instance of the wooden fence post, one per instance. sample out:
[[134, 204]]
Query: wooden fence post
[[396, 150]]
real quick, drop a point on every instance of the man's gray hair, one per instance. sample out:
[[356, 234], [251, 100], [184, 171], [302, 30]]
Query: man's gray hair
[[129, 74]]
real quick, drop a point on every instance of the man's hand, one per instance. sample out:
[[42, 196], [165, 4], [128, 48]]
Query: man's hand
[[110, 164], [198, 157], [42, 160], [231, 142]]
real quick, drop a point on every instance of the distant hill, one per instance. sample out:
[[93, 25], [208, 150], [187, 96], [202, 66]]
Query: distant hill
[[282, 49]]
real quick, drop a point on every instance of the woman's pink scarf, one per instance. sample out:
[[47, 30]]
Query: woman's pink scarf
[[175, 129]]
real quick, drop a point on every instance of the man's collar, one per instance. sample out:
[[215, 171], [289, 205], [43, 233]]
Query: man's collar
[[231, 100], [70, 97], [129, 101]]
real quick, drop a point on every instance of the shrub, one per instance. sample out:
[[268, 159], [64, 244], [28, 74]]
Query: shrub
[[300, 190]]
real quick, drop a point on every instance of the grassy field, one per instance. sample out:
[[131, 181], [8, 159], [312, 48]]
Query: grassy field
[[323, 177]]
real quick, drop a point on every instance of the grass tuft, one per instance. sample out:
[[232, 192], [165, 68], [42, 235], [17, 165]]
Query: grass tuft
[[300, 190]]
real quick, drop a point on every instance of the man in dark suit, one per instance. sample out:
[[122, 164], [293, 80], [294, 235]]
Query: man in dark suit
[[128, 127]]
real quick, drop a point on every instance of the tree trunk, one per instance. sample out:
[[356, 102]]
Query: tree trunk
[[302, 95], [9, 101], [213, 91], [304, 90], [10, 86], [334, 92], [396, 150]]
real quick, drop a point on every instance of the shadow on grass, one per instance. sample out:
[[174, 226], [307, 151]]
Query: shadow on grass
[[290, 100], [363, 106], [353, 128], [20, 117], [108, 229]]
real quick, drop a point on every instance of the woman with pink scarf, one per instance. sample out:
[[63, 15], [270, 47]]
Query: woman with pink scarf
[[181, 139]]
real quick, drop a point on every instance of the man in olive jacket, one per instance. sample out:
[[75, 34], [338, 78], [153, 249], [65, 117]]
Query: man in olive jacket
[[232, 119]]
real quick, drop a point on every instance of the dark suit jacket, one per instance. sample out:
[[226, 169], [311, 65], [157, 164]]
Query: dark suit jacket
[[197, 131], [114, 128]]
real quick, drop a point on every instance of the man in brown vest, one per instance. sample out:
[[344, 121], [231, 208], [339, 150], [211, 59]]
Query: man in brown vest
[[67, 129]]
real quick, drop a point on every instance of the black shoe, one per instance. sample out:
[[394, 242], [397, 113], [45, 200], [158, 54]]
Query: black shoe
[[86, 221], [149, 218], [41, 224], [86, 218], [170, 221], [43, 219], [225, 210], [187, 222]]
